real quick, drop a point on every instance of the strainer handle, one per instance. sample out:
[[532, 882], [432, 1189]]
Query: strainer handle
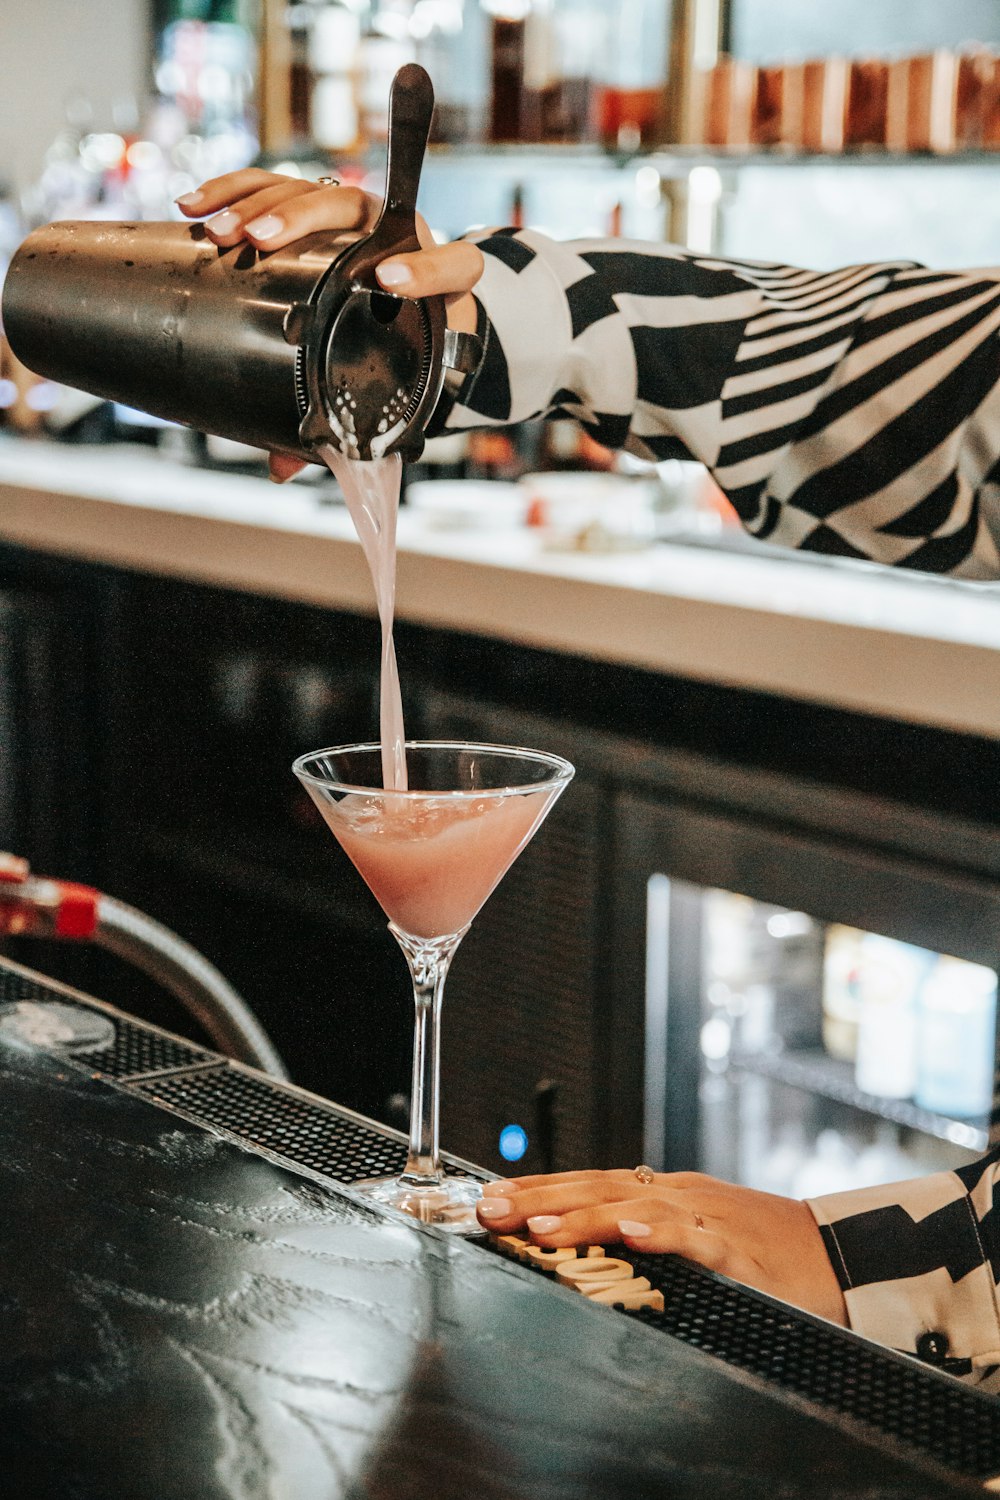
[[411, 105]]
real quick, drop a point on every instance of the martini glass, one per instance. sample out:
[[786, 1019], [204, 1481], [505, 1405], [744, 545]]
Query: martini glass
[[431, 855]]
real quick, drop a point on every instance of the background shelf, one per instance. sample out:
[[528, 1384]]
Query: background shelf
[[817, 1073]]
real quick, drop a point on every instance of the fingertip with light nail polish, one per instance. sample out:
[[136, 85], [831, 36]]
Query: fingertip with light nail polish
[[545, 1223], [189, 200], [494, 1208], [393, 273], [223, 223], [268, 227], [632, 1229], [498, 1189]]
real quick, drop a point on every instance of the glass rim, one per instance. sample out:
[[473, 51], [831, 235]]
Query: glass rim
[[565, 770]]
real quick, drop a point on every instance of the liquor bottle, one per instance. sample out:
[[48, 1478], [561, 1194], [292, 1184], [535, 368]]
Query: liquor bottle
[[728, 94], [452, 42], [334, 47], [842, 991], [767, 116], [540, 93], [629, 93], [977, 99], [506, 121], [989, 108], [891, 976], [867, 100], [816, 104], [580, 28], [921, 102], [384, 48], [956, 1039]]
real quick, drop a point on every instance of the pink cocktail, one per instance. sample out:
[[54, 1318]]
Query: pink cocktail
[[431, 855]]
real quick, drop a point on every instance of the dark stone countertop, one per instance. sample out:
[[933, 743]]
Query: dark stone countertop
[[183, 1320]]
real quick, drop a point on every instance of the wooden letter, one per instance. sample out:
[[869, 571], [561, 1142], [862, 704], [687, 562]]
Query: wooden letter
[[514, 1245], [594, 1271], [629, 1294], [549, 1260]]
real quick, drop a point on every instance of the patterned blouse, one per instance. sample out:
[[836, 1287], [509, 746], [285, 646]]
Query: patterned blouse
[[918, 1264], [854, 413]]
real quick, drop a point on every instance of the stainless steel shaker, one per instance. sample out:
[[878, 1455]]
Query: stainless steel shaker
[[291, 350]]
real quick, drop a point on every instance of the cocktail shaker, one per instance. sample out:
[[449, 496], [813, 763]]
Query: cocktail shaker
[[292, 350]]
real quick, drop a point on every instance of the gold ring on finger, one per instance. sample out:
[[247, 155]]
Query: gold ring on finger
[[644, 1175], [328, 181], [699, 1222]]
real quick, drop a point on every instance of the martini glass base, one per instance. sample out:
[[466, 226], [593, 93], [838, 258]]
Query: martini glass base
[[449, 1204]]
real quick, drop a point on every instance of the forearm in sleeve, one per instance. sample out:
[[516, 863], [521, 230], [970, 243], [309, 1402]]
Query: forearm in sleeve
[[918, 1263], [852, 412]]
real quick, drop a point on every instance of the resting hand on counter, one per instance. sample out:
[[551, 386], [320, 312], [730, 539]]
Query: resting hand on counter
[[907, 1264], [763, 1241], [269, 211]]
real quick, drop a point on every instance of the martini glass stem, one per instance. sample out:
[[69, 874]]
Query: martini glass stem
[[428, 960]]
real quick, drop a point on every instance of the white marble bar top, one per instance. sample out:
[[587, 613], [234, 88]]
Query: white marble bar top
[[902, 646]]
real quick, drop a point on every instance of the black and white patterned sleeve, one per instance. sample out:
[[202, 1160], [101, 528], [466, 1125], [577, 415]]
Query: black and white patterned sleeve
[[918, 1263], [853, 412]]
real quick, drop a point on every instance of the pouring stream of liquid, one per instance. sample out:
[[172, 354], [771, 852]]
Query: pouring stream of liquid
[[371, 490]]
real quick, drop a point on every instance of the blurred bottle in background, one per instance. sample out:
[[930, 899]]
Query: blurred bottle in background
[[453, 44], [507, 117], [956, 1039], [631, 79], [563, 43], [334, 62], [891, 977], [842, 963], [386, 45], [540, 95]]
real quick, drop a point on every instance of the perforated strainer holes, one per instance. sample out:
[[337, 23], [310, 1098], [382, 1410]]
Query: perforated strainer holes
[[305, 1133], [952, 1422]]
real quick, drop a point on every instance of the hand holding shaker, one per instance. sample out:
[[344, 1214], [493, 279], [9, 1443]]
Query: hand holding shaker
[[291, 350]]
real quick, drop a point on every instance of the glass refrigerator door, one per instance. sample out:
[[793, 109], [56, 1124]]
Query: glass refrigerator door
[[829, 1057]]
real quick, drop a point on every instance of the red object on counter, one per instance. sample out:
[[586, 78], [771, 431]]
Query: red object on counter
[[43, 907], [76, 914]]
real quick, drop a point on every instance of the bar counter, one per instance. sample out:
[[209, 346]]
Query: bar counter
[[852, 636], [190, 1309]]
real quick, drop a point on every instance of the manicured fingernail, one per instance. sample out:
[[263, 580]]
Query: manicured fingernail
[[495, 1189], [189, 200], [392, 273], [265, 228], [223, 223], [544, 1223], [494, 1208], [632, 1229]]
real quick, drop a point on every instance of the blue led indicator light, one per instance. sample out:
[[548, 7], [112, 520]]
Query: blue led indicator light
[[513, 1143]]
